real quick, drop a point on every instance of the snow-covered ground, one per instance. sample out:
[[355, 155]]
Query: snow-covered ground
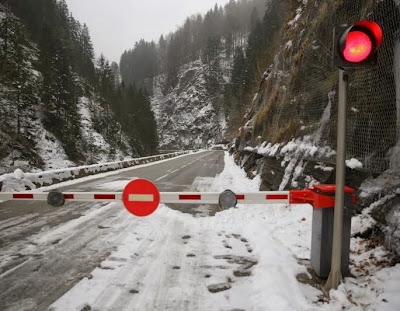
[[242, 258], [50, 150]]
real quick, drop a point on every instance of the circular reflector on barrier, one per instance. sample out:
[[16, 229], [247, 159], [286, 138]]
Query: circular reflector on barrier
[[55, 198], [227, 199]]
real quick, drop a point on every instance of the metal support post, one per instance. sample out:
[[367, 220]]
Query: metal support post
[[335, 275]]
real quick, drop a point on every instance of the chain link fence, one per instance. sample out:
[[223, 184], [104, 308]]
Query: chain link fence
[[300, 99]]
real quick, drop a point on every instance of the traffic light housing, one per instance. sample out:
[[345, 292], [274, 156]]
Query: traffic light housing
[[356, 46]]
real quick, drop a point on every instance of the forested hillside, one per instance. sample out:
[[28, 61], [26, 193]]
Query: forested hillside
[[199, 73], [58, 104]]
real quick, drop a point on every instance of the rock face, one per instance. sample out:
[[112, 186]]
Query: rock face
[[289, 134], [188, 112], [382, 196], [392, 230], [379, 194]]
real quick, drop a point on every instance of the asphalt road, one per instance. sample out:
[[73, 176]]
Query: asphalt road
[[34, 273]]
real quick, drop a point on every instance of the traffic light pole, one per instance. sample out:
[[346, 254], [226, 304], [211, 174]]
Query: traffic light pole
[[335, 275]]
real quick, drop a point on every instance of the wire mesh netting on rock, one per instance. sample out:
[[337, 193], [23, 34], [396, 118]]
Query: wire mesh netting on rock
[[300, 100]]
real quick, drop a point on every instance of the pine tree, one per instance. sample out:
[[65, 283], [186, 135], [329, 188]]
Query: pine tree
[[21, 87], [254, 19], [173, 61], [87, 53], [115, 74], [162, 53], [140, 65], [238, 72]]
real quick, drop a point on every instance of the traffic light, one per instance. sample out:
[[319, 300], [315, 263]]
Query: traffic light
[[356, 46]]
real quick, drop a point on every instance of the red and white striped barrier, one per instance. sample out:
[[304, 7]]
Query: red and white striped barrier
[[141, 197], [262, 197], [76, 196]]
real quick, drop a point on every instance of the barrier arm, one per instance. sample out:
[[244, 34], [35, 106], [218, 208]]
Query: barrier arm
[[143, 200]]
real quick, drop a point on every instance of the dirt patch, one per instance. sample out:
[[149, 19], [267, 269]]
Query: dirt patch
[[310, 278], [246, 263], [242, 273], [215, 288], [226, 245], [249, 248], [106, 268]]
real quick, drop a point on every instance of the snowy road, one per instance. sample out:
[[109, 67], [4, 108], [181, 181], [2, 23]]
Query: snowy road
[[99, 257], [45, 251]]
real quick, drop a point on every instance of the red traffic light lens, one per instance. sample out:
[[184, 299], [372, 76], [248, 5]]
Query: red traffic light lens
[[375, 29], [358, 47]]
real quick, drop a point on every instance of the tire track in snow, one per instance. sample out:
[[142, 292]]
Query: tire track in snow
[[53, 267], [146, 269]]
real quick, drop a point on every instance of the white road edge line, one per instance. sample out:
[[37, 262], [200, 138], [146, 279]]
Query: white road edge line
[[106, 174], [162, 177], [180, 168]]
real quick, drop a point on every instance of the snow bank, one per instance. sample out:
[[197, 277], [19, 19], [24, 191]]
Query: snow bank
[[301, 146], [20, 181], [282, 236], [354, 163]]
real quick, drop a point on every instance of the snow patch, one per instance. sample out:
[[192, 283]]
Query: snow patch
[[51, 151], [324, 168], [354, 163], [288, 173]]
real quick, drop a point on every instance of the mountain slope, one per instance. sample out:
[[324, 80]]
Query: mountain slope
[[189, 73], [188, 111], [57, 106]]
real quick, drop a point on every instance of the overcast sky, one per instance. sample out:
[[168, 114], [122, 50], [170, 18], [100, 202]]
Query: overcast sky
[[115, 25]]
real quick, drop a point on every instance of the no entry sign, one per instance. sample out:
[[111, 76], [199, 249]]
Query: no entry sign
[[141, 197]]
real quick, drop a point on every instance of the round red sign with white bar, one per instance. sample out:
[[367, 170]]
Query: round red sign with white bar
[[141, 197]]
